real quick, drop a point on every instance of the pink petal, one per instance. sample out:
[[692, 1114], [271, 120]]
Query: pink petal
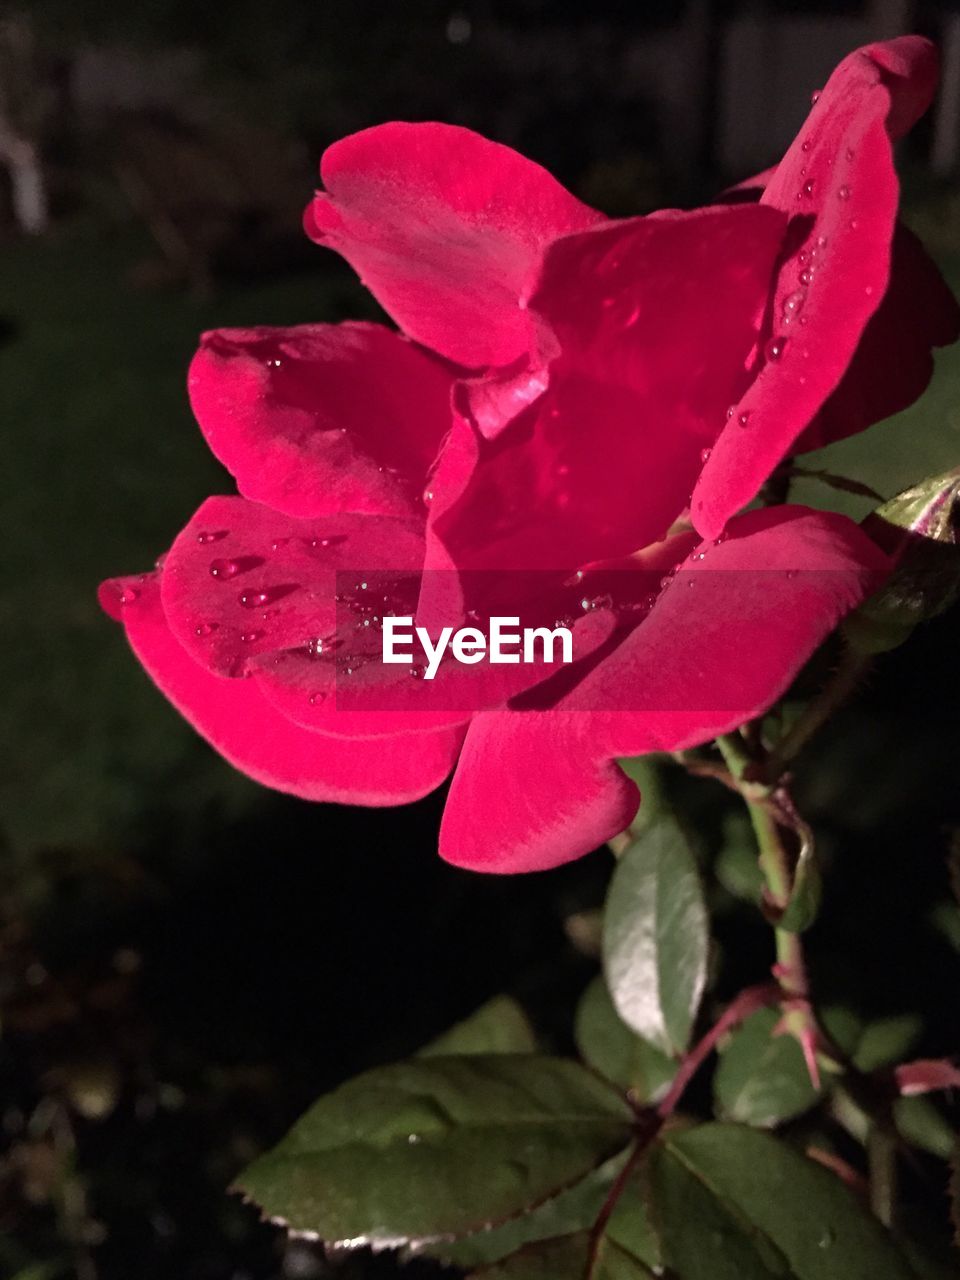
[[838, 183], [242, 580], [893, 364], [704, 660], [656, 319], [322, 419], [529, 794], [446, 229], [357, 695], [238, 722], [731, 629]]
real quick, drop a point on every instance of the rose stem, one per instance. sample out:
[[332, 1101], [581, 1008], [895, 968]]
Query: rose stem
[[790, 969]]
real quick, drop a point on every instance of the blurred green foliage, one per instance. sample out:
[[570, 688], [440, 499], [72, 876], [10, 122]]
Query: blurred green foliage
[[103, 465]]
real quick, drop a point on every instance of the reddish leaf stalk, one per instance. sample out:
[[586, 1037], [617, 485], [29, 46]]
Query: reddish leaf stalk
[[746, 1003], [926, 1075]]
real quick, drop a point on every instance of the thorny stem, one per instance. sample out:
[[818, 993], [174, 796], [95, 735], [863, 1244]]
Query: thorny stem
[[790, 969]]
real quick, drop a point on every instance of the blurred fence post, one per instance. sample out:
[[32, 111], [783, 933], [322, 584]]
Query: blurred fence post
[[22, 108], [946, 125]]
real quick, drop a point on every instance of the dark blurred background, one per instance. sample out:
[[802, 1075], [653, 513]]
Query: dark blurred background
[[186, 960]]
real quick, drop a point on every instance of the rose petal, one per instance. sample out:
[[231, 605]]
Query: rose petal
[[529, 794], [703, 661], [656, 318], [234, 717], [322, 419], [893, 364], [243, 581], [446, 229], [358, 695], [838, 181]]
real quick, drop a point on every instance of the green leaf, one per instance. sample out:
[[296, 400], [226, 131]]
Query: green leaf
[[875, 1042], [627, 1249], [438, 1146], [572, 1210], [563, 1258], [655, 937], [607, 1044], [647, 773], [920, 1122], [733, 1203], [931, 1260], [761, 1078], [499, 1026], [567, 1258]]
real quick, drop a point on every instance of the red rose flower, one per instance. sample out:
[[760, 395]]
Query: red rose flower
[[562, 386]]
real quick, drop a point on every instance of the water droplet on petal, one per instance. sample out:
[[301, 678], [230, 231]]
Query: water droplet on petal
[[215, 536], [223, 570], [128, 595], [731, 411], [806, 144], [808, 187], [427, 497], [744, 418], [792, 304], [774, 348], [843, 192], [705, 454], [206, 629], [815, 97], [251, 637], [323, 544], [256, 598], [316, 698]]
